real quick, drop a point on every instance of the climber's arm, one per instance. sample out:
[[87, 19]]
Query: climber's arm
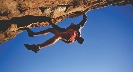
[[82, 23]]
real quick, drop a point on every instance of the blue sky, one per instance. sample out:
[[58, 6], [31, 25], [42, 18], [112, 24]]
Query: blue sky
[[108, 46]]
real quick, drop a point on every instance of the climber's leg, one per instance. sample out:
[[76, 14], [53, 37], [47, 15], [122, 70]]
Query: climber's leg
[[49, 42], [37, 47], [44, 32], [53, 40]]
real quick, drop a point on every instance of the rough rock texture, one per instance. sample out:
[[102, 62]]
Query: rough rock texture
[[15, 14]]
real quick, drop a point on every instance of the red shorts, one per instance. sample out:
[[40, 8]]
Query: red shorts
[[73, 34]]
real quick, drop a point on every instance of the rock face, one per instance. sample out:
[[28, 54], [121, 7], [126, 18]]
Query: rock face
[[15, 14]]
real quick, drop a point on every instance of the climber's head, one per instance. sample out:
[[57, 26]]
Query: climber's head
[[80, 40]]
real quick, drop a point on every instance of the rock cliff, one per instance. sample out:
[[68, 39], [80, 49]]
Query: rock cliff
[[15, 14]]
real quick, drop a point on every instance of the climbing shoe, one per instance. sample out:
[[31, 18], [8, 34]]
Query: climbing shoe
[[30, 33], [34, 48]]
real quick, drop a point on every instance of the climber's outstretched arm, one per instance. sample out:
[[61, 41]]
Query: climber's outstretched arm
[[82, 23]]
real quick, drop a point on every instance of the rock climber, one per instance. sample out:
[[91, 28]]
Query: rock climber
[[67, 35]]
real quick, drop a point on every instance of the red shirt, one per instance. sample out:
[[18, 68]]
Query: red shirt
[[73, 34]]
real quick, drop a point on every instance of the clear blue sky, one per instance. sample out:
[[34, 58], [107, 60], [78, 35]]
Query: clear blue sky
[[108, 46]]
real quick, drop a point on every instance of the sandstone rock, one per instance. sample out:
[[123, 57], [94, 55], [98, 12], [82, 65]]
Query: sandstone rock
[[15, 14]]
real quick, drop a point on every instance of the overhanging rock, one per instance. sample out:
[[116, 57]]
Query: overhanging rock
[[35, 13]]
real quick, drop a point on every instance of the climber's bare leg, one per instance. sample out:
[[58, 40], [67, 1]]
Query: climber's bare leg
[[53, 40], [49, 42], [44, 32]]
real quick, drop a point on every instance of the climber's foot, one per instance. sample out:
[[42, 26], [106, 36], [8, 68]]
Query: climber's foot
[[30, 33], [34, 48]]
